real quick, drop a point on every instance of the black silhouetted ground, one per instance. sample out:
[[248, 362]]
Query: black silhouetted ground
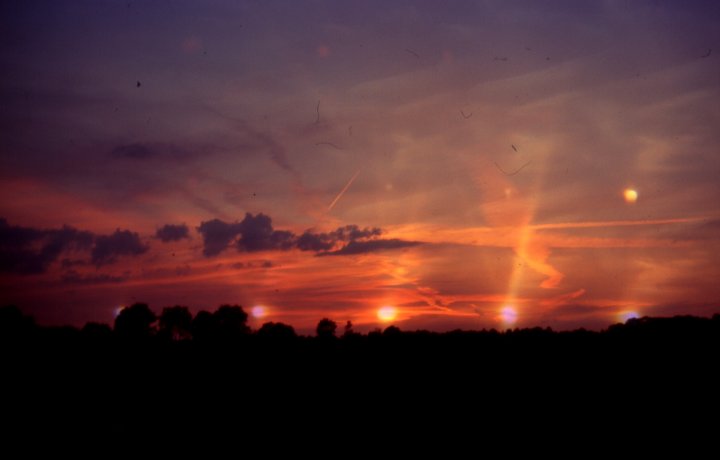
[[180, 377]]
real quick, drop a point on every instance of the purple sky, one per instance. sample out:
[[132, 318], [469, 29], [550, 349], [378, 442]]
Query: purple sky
[[466, 164]]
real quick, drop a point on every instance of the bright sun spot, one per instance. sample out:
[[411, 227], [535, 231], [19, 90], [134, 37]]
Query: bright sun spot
[[626, 315], [117, 310], [508, 315], [258, 311], [386, 313], [630, 195]]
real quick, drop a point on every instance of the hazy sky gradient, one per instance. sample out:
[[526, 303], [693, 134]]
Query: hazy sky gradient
[[490, 142]]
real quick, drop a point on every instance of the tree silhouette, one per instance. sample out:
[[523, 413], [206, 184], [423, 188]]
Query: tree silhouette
[[277, 331], [326, 328], [14, 324], [96, 332], [230, 321], [150, 380], [203, 326], [175, 323], [135, 322]]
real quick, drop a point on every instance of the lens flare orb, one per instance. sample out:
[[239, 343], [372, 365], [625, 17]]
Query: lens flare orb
[[627, 315], [258, 311], [508, 315], [630, 195]]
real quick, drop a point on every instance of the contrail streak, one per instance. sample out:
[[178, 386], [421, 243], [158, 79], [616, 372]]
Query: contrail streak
[[616, 223], [342, 192]]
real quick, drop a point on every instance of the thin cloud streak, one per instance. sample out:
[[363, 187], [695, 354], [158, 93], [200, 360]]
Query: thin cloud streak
[[616, 223]]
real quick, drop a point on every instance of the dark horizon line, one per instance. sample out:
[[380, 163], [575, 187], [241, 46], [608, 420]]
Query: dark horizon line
[[155, 326]]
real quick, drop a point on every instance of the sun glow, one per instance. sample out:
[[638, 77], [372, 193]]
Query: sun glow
[[258, 311], [508, 315], [630, 195], [626, 315], [386, 314]]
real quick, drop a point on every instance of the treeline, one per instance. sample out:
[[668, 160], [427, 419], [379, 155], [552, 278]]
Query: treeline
[[229, 324], [178, 375]]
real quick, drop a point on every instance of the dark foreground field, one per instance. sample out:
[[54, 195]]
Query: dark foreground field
[[140, 384]]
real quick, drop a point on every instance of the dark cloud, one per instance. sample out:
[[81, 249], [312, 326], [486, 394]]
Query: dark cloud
[[309, 241], [256, 233], [364, 247], [26, 250], [170, 232], [353, 232], [69, 263], [14, 236], [73, 277], [260, 264], [318, 242], [253, 264], [217, 236], [121, 243]]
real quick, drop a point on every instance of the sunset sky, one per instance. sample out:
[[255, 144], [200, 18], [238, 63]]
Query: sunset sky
[[464, 164]]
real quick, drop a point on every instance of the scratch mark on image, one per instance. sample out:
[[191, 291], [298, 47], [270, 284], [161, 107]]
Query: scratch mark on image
[[514, 172], [330, 144], [413, 53]]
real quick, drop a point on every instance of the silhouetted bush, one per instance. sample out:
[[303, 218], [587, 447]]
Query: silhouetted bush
[[175, 323], [230, 321], [326, 329], [277, 331], [14, 324], [94, 332], [223, 373], [202, 327], [135, 322]]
